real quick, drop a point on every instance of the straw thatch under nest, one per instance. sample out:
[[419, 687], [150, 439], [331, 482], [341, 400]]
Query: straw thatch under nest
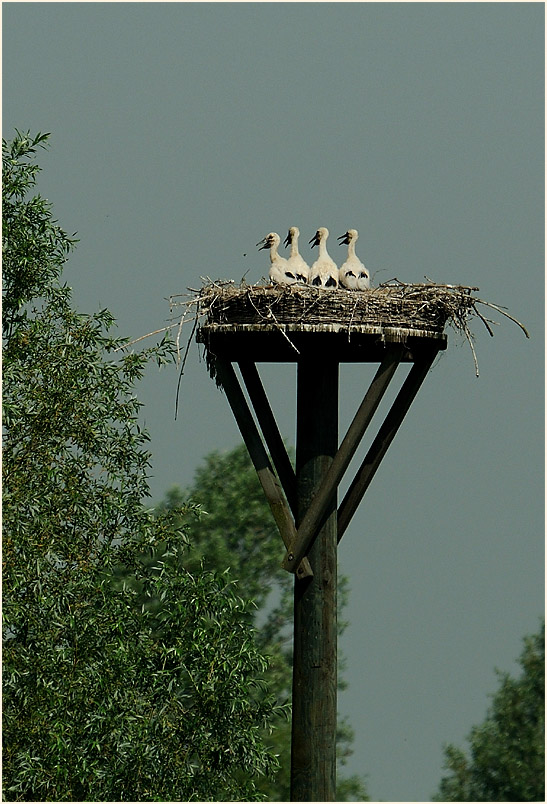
[[394, 311]]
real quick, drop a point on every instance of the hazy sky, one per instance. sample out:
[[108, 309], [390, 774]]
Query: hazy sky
[[181, 134]]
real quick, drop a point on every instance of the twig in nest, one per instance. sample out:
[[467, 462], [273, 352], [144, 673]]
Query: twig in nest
[[276, 323], [307, 310], [484, 321], [506, 314], [178, 337], [351, 319], [184, 361], [469, 337], [142, 337]]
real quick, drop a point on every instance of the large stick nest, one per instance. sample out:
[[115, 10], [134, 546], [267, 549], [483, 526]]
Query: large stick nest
[[418, 309]]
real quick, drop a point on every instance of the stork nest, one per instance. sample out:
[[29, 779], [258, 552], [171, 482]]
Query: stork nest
[[394, 309], [416, 309]]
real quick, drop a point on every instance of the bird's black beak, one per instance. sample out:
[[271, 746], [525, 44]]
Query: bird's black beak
[[262, 243], [287, 240], [343, 239], [315, 240]]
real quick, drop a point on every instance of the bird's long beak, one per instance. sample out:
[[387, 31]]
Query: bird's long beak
[[287, 240], [263, 243], [315, 240], [343, 239]]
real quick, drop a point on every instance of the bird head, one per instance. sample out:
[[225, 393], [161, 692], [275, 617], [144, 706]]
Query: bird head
[[268, 241], [293, 233], [321, 234], [348, 237]]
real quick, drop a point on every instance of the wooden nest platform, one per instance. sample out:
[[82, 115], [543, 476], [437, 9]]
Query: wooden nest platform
[[286, 323]]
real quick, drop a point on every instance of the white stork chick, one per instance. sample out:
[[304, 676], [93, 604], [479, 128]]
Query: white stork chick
[[353, 274], [297, 263], [279, 268], [323, 272]]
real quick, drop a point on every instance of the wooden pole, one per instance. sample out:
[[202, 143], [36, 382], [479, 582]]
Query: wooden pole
[[313, 745]]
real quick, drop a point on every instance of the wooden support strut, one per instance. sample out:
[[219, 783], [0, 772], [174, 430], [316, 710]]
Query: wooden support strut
[[383, 439], [259, 457], [316, 511], [270, 431]]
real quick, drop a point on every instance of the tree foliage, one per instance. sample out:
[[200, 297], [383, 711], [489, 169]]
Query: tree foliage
[[238, 533], [106, 695], [506, 760]]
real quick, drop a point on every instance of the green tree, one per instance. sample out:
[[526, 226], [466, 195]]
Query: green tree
[[506, 760], [238, 533], [106, 696]]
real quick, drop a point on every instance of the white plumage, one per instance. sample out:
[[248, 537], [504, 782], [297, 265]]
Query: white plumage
[[297, 264], [323, 272], [279, 266], [353, 274]]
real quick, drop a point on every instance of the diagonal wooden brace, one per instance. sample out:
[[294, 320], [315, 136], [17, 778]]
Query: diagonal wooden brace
[[259, 457], [270, 431], [312, 519], [383, 439]]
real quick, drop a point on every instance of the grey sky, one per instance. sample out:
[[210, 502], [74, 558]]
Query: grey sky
[[182, 134]]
